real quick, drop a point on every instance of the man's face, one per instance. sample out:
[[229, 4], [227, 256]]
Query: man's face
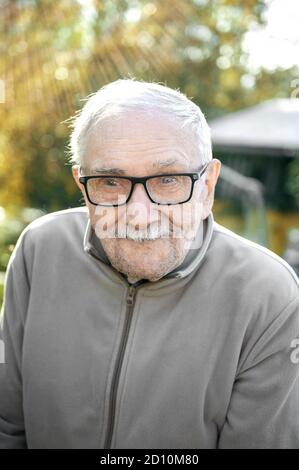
[[158, 236]]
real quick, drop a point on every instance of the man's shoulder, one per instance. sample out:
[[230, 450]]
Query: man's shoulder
[[55, 233], [57, 224], [72, 215], [253, 263]]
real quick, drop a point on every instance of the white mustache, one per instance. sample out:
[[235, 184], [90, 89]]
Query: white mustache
[[153, 232]]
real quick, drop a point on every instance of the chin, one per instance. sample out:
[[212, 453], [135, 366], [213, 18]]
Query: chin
[[150, 278], [148, 259], [147, 249], [148, 275]]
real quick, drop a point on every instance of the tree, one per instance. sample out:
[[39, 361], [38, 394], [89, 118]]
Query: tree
[[54, 53]]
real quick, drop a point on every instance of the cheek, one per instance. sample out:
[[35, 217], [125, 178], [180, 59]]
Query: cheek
[[102, 218], [184, 216]]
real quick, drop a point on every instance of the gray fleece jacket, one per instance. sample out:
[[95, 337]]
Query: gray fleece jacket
[[206, 357]]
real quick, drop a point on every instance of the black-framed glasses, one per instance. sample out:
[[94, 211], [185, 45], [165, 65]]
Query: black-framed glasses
[[165, 189]]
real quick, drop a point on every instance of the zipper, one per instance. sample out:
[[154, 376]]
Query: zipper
[[115, 380]]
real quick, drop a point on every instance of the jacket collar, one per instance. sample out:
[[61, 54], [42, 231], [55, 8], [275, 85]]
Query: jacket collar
[[93, 246]]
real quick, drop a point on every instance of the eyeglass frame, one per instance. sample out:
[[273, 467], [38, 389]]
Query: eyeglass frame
[[195, 176]]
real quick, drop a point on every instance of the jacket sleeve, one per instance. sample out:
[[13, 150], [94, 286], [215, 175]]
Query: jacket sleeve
[[12, 318], [264, 408]]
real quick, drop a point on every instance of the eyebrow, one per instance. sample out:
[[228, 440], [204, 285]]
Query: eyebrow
[[170, 162], [165, 163], [109, 171]]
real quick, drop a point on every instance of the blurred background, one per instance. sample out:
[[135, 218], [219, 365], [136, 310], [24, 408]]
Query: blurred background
[[238, 60]]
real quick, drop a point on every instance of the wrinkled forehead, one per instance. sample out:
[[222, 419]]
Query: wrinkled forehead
[[140, 130]]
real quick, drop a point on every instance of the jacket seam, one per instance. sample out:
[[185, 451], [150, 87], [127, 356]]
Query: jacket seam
[[279, 314], [24, 262]]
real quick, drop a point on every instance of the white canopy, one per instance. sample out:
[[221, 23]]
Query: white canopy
[[270, 127]]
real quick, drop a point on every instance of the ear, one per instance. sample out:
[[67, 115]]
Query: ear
[[210, 184], [75, 172]]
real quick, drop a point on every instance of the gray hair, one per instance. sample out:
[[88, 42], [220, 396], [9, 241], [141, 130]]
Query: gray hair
[[126, 94]]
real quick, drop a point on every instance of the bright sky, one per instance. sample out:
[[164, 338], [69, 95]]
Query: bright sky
[[277, 43]]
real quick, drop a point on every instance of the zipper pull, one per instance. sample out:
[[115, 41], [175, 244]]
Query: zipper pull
[[131, 295]]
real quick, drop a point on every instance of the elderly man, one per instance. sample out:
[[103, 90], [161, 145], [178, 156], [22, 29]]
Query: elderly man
[[137, 321]]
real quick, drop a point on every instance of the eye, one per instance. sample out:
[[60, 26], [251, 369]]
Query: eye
[[111, 182], [168, 179]]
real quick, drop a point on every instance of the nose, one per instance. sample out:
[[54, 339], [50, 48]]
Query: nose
[[140, 210]]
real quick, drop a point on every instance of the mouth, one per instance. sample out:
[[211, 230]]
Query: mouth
[[143, 240]]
